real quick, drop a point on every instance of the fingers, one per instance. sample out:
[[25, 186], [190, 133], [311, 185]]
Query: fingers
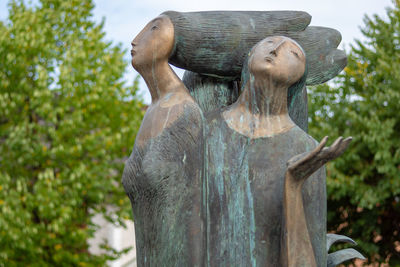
[[305, 164], [318, 149], [307, 158], [337, 142], [337, 148], [322, 144], [343, 146], [333, 151], [348, 139]]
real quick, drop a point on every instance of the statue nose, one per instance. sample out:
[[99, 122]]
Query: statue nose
[[276, 47]]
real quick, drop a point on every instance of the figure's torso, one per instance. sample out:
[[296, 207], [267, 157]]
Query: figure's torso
[[164, 183], [245, 179]]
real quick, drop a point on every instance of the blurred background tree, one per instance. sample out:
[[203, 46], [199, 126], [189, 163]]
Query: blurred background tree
[[67, 120], [364, 184]]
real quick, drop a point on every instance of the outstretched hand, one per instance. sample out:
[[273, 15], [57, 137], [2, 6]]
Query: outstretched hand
[[302, 166]]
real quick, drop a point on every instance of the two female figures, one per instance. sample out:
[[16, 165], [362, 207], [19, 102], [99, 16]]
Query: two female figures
[[233, 187]]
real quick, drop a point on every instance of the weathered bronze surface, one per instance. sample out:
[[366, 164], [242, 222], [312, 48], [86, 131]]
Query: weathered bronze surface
[[251, 142], [297, 244], [163, 175], [224, 174], [216, 43]]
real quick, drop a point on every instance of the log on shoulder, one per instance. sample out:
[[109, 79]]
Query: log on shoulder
[[216, 43]]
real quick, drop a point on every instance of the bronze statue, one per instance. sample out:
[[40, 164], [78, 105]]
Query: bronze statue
[[252, 141], [224, 174], [162, 176]]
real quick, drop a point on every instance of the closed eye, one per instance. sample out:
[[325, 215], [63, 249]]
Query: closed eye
[[297, 55], [154, 28]]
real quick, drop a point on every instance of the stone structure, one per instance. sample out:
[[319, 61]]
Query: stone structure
[[223, 172]]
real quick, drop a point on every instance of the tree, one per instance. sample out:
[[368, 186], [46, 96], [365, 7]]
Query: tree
[[364, 184], [67, 120]]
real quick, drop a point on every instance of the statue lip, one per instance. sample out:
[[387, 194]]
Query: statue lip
[[133, 52]]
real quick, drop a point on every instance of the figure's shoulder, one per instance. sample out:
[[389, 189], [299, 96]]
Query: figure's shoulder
[[176, 100], [182, 105], [162, 118], [193, 112]]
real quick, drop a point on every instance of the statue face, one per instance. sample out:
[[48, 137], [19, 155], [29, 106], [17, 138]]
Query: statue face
[[278, 59], [154, 43]]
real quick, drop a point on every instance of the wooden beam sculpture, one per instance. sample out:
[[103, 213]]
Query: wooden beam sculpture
[[223, 172]]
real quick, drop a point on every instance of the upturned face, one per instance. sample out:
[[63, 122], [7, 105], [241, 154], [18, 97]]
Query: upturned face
[[154, 43], [278, 59]]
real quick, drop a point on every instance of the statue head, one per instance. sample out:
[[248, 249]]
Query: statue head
[[278, 60], [153, 44]]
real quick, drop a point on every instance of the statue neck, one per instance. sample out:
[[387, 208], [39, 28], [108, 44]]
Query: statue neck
[[260, 111], [264, 98], [161, 79]]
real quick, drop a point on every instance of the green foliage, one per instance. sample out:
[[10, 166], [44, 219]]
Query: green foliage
[[66, 122], [364, 184]]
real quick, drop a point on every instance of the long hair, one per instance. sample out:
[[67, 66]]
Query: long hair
[[215, 43]]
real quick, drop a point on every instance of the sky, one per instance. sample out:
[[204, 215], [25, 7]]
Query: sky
[[125, 18]]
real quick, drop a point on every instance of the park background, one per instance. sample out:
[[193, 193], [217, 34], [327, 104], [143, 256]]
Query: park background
[[70, 106]]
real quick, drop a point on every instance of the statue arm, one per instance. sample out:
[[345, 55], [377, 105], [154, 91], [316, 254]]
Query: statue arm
[[296, 243]]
